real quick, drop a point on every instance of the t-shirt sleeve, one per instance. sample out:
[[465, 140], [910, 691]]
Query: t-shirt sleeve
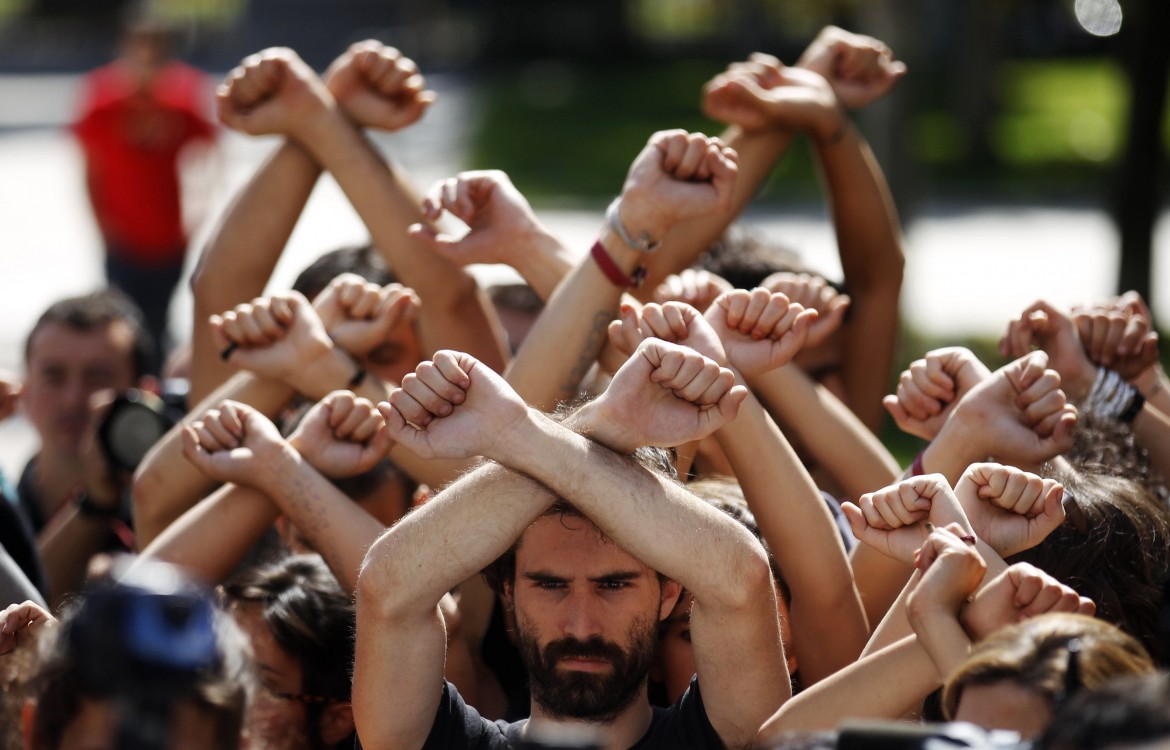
[[458, 725], [684, 725]]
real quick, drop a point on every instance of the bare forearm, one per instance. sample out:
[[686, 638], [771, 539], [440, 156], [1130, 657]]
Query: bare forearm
[[879, 579], [240, 257], [546, 265], [644, 513], [827, 618], [568, 336], [758, 151], [388, 205], [453, 536], [885, 685], [1151, 430], [833, 434], [869, 239], [336, 527], [212, 538]]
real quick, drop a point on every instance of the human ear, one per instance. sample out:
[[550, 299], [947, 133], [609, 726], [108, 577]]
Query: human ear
[[671, 590]]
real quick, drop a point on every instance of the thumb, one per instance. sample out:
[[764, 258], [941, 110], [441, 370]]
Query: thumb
[[895, 410], [443, 245], [728, 406]]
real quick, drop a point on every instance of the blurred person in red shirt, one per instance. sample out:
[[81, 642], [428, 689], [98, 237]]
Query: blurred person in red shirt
[[137, 115]]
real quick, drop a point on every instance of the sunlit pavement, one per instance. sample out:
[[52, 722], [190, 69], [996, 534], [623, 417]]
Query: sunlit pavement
[[969, 267]]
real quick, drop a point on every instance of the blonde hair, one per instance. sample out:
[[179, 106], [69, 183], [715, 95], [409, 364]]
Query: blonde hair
[[1035, 655]]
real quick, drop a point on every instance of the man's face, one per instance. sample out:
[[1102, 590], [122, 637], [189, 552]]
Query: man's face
[[587, 617], [65, 367]]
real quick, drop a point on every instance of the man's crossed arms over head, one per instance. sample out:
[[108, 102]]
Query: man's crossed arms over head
[[598, 546]]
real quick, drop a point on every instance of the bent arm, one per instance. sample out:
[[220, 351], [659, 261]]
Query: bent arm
[[886, 685], [455, 312], [869, 240], [734, 626], [400, 631], [239, 259]]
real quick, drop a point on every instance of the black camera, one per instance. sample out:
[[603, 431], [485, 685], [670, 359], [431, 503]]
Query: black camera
[[137, 420]]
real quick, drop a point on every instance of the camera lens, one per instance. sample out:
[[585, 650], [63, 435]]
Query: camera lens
[[131, 427]]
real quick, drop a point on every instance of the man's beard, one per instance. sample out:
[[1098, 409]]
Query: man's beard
[[591, 696]]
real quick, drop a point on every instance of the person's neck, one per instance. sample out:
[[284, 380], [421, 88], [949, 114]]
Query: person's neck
[[619, 734]]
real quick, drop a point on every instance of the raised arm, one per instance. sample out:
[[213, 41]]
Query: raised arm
[[1019, 415], [828, 623], [460, 406], [238, 260], [733, 625], [677, 174], [859, 70], [297, 103], [285, 346], [243, 250], [501, 228]]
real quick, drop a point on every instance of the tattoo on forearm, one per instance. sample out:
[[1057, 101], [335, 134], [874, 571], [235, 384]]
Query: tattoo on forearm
[[588, 353]]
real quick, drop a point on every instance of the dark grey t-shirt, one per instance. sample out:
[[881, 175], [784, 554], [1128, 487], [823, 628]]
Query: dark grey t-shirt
[[458, 726]]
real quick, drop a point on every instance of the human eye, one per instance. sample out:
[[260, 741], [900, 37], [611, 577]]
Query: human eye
[[613, 585], [549, 585]]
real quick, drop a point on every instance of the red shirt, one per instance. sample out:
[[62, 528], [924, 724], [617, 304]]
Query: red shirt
[[131, 141]]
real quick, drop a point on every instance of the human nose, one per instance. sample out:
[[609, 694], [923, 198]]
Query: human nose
[[76, 393], [581, 616]]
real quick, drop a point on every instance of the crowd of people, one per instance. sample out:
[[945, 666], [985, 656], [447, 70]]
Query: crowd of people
[[650, 511]]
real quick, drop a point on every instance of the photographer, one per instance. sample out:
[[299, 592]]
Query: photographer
[[80, 353]]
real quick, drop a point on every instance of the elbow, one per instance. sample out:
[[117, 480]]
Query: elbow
[[202, 284], [383, 588], [752, 580]]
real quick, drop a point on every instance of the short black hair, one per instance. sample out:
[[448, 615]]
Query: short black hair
[[311, 618], [93, 312], [364, 260]]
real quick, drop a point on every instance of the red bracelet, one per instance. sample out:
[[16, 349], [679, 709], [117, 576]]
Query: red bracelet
[[612, 272], [916, 468]]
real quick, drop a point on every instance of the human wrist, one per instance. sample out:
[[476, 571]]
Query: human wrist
[[591, 421], [928, 613], [1077, 383], [638, 216], [511, 445], [949, 454], [318, 131], [281, 464], [331, 370], [832, 130]]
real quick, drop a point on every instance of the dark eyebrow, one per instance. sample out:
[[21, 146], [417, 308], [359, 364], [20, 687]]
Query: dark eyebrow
[[621, 575], [539, 577]]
